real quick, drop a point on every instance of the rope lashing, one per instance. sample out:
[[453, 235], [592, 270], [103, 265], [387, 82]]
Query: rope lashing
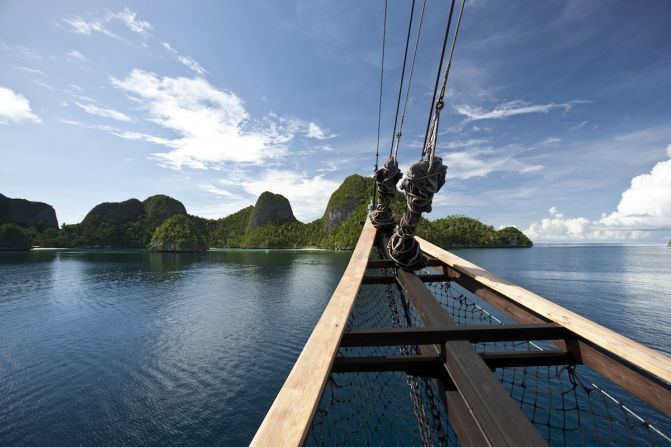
[[421, 182], [386, 179]]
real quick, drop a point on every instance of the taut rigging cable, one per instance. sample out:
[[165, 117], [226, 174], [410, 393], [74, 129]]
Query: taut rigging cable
[[431, 141], [379, 108], [440, 68], [394, 153], [400, 86]]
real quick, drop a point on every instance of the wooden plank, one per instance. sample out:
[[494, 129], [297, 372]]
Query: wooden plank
[[480, 333], [645, 373], [288, 421], [515, 359], [499, 418]]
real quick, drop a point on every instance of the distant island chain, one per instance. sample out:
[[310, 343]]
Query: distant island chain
[[161, 223]]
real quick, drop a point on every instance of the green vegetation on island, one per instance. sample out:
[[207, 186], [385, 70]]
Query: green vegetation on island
[[162, 223], [13, 237], [177, 234]]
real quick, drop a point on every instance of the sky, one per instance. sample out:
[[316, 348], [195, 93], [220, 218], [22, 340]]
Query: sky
[[557, 116]]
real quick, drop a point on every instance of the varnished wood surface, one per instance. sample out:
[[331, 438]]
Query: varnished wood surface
[[289, 418]]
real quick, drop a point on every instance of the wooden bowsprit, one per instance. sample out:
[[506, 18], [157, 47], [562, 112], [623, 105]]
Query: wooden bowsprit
[[480, 410]]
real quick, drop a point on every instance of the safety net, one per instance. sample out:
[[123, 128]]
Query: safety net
[[568, 404]]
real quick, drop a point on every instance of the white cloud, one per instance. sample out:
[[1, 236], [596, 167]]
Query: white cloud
[[44, 84], [647, 202], [482, 162], [308, 195], [187, 61], [30, 70], [90, 25], [558, 227], [80, 25], [217, 191], [14, 107], [316, 132], [510, 108], [76, 56], [129, 18], [644, 207], [212, 126], [105, 113]]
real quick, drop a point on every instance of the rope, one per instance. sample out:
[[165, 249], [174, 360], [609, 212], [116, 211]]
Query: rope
[[421, 182], [400, 86], [432, 137], [440, 67], [379, 107], [407, 93], [386, 179]]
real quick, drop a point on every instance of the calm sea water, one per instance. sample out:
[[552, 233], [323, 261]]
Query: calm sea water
[[135, 348]]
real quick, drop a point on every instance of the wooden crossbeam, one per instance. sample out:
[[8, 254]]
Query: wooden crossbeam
[[388, 263], [425, 336], [433, 366], [379, 279], [481, 410]]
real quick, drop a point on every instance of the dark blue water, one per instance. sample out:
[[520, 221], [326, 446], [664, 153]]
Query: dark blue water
[[134, 348]]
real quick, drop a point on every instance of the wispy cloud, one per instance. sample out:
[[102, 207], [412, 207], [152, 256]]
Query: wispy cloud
[[15, 108], [213, 125], [20, 51], [316, 132], [43, 84], [30, 70], [102, 112], [510, 108], [187, 61], [480, 162], [76, 56], [99, 24]]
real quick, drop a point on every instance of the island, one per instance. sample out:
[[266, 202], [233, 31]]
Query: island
[[177, 234], [161, 223]]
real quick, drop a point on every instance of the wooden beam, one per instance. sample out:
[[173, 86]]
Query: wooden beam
[[424, 335], [288, 421], [640, 370], [388, 263], [515, 359], [420, 365], [432, 365], [379, 279], [499, 418]]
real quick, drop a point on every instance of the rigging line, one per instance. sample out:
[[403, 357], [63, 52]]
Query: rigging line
[[449, 60], [440, 68], [400, 87], [379, 107], [441, 98], [412, 70]]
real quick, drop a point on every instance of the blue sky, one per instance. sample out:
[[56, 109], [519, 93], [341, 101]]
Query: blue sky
[[557, 121]]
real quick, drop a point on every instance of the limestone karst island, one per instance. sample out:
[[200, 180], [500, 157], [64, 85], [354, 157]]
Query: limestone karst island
[[161, 223]]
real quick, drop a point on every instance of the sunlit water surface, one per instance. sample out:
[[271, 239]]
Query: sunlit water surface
[[135, 348]]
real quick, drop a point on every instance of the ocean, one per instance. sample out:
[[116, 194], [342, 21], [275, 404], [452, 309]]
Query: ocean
[[135, 348]]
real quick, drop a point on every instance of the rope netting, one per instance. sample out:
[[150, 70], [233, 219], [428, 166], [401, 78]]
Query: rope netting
[[564, 403]]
